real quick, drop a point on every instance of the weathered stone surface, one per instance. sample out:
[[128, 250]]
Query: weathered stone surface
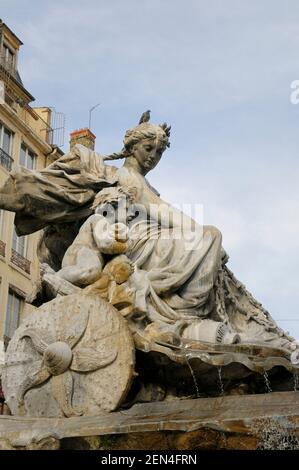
[[49, 443], [251, 421], [5, 445], [203, 439], [72, 356], [111, 241], [240, 442], [82, 443], [198, 440]]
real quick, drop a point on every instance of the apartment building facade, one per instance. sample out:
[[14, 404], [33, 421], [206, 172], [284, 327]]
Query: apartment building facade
[[26, 138]]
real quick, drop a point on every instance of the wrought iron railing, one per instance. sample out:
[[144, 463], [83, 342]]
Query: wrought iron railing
[[20, 261], [5, 160], [2, 248]]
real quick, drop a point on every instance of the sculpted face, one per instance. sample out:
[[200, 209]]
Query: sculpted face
[[148, 153]]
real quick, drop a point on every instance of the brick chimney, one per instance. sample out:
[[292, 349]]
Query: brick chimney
[[84, 137]]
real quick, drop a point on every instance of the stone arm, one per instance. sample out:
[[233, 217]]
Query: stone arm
[[165, 214], [151, 203], [83, 262]]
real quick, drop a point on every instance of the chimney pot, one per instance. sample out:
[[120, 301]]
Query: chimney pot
[[84, 137]]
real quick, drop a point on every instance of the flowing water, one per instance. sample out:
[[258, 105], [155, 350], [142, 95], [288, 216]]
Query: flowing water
[[219, 369], [296, 382], [193, 376], [267, 382]]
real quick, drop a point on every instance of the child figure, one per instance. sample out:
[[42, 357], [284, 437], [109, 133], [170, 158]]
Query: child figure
[[102, 234], [113, 284], [88, 263]]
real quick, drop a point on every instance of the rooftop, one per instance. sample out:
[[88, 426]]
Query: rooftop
[[10, 32]]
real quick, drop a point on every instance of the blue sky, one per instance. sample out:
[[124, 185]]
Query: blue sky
[[220, 74]]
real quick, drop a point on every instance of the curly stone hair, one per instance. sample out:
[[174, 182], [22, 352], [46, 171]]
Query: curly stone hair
[[113, 194], [145, 130]]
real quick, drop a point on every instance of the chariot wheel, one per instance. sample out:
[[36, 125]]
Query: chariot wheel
[[73, 356]]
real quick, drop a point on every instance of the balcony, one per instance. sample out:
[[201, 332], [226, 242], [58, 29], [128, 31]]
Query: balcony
[[9, 65], [19, 261], [5, 160]]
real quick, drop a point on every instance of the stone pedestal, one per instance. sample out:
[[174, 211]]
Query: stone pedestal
[[265, 421]]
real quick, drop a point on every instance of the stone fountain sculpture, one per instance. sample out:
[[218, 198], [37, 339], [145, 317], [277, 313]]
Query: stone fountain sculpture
[[135, 301]]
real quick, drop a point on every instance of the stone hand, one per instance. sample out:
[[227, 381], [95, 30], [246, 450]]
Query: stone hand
[[111, 238]]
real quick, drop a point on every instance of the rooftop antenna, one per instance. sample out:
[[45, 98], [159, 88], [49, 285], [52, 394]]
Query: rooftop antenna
[[90, 111]]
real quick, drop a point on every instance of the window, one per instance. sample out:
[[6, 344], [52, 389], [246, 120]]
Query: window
[[9, 58], [5, 139], [27, 157], [1, 223], [19, 253], [13, 312], [19, 244]]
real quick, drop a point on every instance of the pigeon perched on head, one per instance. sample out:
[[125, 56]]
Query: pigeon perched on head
[[145, 116]]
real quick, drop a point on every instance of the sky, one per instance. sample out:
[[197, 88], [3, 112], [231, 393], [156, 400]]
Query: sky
[[220, 73]]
